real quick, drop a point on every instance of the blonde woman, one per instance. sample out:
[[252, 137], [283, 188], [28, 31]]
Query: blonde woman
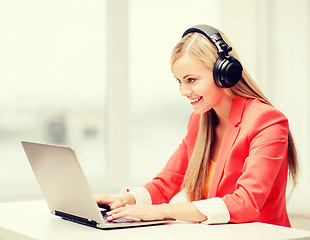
[[234, 161]]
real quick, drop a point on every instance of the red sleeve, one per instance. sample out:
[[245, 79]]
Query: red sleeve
[[168, 182]]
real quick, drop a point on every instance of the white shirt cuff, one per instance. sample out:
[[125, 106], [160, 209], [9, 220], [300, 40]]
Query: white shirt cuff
[[141, 195], [214, 209]]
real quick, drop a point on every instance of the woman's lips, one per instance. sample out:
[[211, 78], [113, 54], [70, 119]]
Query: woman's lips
[[195, 100]]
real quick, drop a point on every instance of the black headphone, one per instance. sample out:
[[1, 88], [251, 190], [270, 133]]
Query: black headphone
[[227, 70]]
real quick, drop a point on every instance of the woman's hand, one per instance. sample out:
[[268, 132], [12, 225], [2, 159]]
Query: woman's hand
[[179, 211], [116, 201], [143, 212], [123, 206]]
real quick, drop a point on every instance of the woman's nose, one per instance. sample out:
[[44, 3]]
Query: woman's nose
[[184, 90]]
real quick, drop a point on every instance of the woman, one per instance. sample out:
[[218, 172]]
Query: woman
[[234, 160]]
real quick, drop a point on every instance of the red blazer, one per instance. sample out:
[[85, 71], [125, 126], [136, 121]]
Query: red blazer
[[251, 170]]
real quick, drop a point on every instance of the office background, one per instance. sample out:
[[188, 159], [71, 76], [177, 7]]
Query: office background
[[95, 75]]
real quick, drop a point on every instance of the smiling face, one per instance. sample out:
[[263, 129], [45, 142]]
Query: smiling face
[[197, 84]]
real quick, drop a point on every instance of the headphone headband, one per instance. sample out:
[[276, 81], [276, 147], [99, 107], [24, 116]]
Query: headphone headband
[[213, 35]]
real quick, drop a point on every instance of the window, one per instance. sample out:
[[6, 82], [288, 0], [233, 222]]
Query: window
[[53, 73]]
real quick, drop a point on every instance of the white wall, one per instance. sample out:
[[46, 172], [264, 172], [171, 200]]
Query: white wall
[[289, 84], [272, 38], [159, 113]]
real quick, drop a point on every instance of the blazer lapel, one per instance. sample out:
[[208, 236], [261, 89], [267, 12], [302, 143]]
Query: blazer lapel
[[231, 132]]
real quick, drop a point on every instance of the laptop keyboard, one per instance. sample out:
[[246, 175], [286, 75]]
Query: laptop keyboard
[[120, 220]]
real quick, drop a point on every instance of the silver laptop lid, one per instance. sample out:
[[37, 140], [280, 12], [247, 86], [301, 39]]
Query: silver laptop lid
[[62, 181]]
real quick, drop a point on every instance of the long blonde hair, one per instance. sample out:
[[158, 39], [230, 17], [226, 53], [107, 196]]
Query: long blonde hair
[[199, 47]]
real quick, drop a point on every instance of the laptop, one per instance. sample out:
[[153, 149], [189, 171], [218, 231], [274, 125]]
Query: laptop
[[66, 190]]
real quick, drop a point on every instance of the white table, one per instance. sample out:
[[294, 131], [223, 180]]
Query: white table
[[32, 220]]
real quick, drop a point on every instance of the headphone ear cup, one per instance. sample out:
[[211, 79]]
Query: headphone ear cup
[[227, 72]]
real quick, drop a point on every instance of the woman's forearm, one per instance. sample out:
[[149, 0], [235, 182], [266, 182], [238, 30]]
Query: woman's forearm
[[183, 212]]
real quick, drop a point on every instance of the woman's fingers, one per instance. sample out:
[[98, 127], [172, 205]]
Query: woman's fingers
[[117, 204], [117, 213], [100, 198], [103, 199], [143, 212], [116, 201]]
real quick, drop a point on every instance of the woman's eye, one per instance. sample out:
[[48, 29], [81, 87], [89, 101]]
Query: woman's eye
[[178, 80], [191, 80]]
